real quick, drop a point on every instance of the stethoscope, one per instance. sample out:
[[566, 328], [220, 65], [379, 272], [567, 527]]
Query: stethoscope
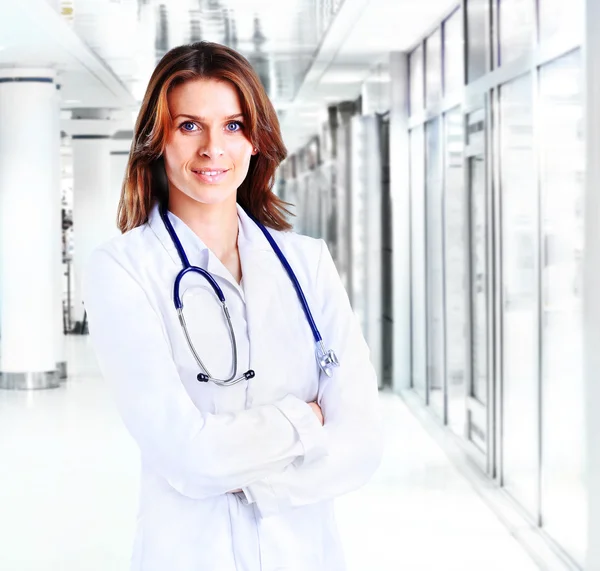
[[326, 359]]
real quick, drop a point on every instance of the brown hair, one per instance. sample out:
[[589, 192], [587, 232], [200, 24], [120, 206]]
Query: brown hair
[[145, 179]]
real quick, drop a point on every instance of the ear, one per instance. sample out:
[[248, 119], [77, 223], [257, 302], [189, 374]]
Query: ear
[[254, 151]]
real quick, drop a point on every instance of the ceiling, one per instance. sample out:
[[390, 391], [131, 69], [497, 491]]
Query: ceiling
[[307, 57]]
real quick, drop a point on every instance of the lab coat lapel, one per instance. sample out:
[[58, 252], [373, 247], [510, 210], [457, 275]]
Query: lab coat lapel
[[260, 273], [195, 249]]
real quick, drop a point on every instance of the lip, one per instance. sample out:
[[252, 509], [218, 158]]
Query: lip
[[210, 179]]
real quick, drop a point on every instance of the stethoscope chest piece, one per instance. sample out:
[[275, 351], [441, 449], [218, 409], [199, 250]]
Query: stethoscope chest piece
[[327, 359]]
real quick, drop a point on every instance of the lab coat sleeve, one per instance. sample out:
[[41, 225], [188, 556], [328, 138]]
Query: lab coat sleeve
[[350, 404], [199, 454]]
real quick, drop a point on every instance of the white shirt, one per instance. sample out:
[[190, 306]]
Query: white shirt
[[199, 441]]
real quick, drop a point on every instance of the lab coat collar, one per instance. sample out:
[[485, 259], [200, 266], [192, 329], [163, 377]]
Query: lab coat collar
[[255, 251], [249, 234], [196, 250]]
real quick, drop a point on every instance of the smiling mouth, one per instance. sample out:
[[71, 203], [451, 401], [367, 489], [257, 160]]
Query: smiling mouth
[[209, 172]]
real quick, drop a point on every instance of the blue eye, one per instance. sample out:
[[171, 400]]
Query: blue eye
[[188, 126], [234, 126]]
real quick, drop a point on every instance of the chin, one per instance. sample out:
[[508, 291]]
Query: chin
[[212, 195]]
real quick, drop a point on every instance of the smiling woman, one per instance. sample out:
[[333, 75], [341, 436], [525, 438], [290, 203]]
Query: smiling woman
[[248, 424], [195, 96], [207, 154]]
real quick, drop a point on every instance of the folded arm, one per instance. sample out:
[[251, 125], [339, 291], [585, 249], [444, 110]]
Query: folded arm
[[350, 405], [199, 454]]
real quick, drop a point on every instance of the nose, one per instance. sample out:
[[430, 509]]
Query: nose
[[211, 145]]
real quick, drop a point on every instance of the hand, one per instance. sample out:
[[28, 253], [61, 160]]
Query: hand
[[317, 410]]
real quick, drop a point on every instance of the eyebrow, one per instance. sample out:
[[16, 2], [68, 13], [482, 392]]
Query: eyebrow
[[203, 120]]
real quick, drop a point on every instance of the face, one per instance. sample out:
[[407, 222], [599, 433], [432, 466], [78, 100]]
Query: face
[[207, 154]]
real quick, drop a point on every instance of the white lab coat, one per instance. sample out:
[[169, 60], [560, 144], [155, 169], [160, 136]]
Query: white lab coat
[[199, 441]]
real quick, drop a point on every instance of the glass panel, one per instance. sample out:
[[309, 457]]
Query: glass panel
[[416, 80], [478, 41], [418, 296], [476, 129], [433, 68], [453, 53], [562, 175], [479, 277], [387, 253], [558, 17], [517, 28], [519, 292], [435, 270], [456, 271]]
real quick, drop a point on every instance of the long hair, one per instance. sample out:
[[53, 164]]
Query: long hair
[[145, 180]]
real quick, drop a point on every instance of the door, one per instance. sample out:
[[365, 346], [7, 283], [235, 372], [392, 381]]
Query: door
[[480, 380]]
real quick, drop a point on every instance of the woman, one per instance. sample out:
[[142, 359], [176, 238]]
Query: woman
[[237, 474]]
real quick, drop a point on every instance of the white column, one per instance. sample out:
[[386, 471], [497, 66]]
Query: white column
[[400, 196], [94, 211], [591, 269], [29, 157], [92, 197], [59, 279]]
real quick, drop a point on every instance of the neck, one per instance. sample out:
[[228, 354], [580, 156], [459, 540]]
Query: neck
[[215, 224]]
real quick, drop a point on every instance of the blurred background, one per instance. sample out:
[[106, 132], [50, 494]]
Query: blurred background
[[447, 152]]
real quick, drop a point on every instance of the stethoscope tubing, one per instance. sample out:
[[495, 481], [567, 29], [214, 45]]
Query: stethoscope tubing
[[219, 292], [326, 359], [195, 269], [294, 280], [187, 267]]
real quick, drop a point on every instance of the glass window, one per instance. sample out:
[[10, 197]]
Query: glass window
[[517, 29], [562, 173], [433, 69], [520, 319], [476, 129], [453, 53], [558, 17], [416, 80], [478, 39], [418, 296], [435, 269], [480, 236], [456, 270]]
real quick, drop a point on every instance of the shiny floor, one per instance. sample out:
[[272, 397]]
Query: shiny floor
[[68, 490]]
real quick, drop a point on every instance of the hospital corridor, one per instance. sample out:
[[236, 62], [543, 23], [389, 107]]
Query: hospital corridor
[[73, 488], [308, 285]]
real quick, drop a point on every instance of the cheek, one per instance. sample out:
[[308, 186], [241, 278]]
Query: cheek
[[170, 154], [243, 152], [175, 156]]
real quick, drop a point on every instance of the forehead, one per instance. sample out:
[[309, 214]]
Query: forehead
[[205, 98]]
